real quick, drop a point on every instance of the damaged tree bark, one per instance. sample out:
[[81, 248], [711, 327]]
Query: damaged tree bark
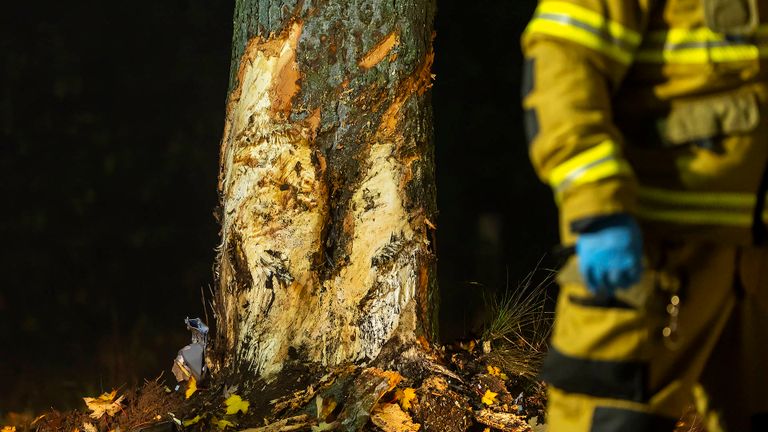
[[327, 185]]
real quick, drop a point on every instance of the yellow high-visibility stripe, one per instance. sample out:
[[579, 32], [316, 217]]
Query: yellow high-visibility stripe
[[585, 27], [592, 19], [696, 217], [702, 208], [679, 36], [609, 168], [696, 198], [699, 46], [700, 55], [599, 162]]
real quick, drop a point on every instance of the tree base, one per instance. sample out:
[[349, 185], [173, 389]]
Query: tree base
[[454, 389]]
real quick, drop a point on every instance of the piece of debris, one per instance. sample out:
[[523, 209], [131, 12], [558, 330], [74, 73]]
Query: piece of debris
[[190, 362], [300, 422], [367, 389], [438, 408], [505, 422], [325, 407], [390, 418]]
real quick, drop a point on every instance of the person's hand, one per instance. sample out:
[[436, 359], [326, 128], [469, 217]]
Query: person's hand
[[611, 254]]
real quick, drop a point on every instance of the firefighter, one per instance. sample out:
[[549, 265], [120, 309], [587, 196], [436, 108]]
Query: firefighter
[[649, 121]]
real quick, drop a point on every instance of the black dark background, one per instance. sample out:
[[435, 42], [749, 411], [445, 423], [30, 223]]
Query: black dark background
[[110, 120]]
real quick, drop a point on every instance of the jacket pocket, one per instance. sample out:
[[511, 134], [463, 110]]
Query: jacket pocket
[[732, 17], [707, 119]]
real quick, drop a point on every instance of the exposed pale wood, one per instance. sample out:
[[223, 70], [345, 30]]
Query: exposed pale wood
[[327, 185]]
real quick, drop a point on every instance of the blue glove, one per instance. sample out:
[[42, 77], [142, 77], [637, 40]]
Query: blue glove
[[611, 254]]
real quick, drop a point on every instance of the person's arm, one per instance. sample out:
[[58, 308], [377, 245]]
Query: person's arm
[[577, 53]]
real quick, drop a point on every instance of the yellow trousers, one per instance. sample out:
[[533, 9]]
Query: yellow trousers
[[693, 331]]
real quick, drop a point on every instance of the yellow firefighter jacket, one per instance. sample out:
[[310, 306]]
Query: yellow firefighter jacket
[[653, 108]]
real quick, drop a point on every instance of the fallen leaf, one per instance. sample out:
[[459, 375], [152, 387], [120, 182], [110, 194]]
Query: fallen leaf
[[104, 404], [405, 397], [8, 429], [223, 423], [489, 398], [191, 387], [192, 421], [87, 427], [235, 403], [495, 371]]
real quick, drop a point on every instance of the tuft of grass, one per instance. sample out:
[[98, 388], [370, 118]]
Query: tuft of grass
[[519, 327]]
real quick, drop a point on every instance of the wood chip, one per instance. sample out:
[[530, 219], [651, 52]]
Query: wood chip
[[390, 418], [286, 425], [506, 422]]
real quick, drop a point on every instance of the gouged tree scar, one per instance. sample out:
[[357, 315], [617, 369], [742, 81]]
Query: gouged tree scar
[[380, 51]]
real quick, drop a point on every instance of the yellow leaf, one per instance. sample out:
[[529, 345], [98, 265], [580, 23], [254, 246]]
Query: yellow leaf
[[223, 424], [489, 398], [87, 427], [406, 397], [495, 371], [104, 404], [235, 403], [8, 429], [487, 429], [192, 421], [191, 387]]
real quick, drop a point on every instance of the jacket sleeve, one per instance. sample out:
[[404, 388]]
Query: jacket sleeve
[[576, 54]]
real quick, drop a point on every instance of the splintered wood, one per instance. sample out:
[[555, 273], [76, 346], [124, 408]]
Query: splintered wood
[[506, 422], [297, 423], [390, 418]]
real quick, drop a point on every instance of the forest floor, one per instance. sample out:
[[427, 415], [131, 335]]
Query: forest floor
[[467, 393], [485, 384]]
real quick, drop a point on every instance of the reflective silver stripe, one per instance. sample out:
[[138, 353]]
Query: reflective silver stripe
[[604, 34]]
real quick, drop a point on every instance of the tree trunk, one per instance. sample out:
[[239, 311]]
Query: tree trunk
[[327, 185]]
